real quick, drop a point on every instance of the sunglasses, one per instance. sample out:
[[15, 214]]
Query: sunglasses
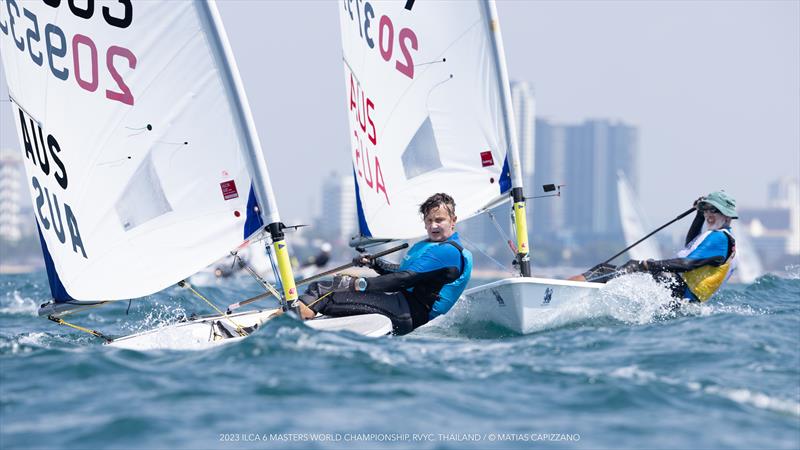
[[708, 208]]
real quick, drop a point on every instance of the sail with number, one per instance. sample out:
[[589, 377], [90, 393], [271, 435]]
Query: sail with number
[[426, 112], [141, 156]]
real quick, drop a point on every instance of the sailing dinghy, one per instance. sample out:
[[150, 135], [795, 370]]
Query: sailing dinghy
[[143, 160], [430, 111]]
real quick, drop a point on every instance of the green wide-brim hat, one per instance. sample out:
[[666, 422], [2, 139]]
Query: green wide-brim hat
[[723, 202]]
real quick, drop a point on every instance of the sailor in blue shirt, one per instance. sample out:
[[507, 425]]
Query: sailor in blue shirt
[[426, 284], [702, 267]]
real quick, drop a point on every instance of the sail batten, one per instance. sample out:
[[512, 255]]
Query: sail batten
[[141, 154]]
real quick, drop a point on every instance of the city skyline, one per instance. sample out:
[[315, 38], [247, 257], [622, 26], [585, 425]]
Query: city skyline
[[713, 87]]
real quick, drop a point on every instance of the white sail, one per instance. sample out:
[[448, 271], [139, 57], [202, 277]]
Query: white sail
[[748, 263], [633, 227], [138, 143], [425, 110]]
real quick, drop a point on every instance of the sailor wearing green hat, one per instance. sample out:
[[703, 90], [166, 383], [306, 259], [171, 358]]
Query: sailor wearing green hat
[[708, 260]]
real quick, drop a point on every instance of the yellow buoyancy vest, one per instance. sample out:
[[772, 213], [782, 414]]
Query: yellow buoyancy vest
[[705, 281]]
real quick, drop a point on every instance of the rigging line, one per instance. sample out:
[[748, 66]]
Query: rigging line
[[430, 91], [95, 333], [140, 130], [309, 305], [276, 274], [239, 328], [475, 246], [318, 300], [502, 233], [115, 163], [148, 127], [431, 62], [270, 288]]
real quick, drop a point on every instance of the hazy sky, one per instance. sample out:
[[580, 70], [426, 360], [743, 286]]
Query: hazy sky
[[714, 88]]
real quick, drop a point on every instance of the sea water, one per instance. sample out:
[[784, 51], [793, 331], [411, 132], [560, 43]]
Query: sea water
[[614, 373]]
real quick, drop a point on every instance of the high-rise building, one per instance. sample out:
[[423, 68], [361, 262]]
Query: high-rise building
[[785, 193], [548, 218], [586, 158], [339, 221], [525, 120], [595, 151], [775, 228]]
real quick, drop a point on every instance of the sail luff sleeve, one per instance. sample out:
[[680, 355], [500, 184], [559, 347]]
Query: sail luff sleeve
[[247, 133], [499, 58]]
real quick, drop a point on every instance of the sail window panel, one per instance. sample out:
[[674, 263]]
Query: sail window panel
[[422, 154], [143, 198]]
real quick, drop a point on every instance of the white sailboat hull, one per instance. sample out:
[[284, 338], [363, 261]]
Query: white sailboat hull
[[515, 302], [206, 332]]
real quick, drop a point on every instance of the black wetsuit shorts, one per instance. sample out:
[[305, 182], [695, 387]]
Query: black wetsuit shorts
[[341, 304]]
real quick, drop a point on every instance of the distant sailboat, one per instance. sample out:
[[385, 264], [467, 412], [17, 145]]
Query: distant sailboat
[[633, 225], [142, 155], [748, 263], [430, 111]]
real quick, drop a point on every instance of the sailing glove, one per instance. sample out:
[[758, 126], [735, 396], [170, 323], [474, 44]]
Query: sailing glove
[[346, 283], [361, 261], [342, 283], [633, 266], [601, 273]]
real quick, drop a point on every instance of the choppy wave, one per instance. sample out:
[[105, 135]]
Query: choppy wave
[[740, 395], [14, 303], [791, 272], [620, 370], [24, 343]]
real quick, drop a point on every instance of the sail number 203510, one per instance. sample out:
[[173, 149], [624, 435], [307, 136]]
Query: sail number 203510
[[363, 14]]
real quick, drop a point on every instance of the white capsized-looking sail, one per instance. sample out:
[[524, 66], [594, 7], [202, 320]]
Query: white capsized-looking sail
[[633, 227], [424, 107], [748, 263], [138, 142]]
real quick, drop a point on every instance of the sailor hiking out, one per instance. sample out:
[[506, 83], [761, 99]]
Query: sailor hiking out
[[426, 284], [702, 267]]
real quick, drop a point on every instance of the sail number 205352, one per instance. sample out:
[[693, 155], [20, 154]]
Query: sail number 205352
[[23, 27], [363, 13]]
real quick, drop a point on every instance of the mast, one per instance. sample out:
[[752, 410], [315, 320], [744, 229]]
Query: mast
[[268, 210], [518, 197]]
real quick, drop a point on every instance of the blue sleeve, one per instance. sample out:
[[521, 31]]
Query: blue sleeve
[[441, 306], [716, 244], [452, 291], [436, 257]]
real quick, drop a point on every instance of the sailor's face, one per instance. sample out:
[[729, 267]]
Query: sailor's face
[[439, 225], [714, 219]]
